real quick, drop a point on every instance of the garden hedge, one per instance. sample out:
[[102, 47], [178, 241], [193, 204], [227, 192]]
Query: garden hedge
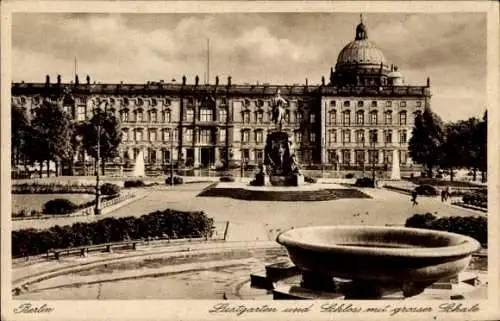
[[171, 223], [51, 188], [110, 189], [476, 199], [177, 180], [473, 226], [226, 179], [364, 182], [134, 183]]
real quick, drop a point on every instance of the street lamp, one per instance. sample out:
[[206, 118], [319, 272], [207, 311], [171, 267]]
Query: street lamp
[[97, 209]]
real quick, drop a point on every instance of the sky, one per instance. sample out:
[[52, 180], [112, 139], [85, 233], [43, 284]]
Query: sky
[[278, 48]]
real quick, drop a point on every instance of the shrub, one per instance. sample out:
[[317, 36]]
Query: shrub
[[58, 206], [134, 183], [171, 223], [427, 190], [349, 175], [364, 182], [178, 180], [51, 188], [259, 180], [473, 226], [309, 179], [476, 199], [110, 189], [227, 179]]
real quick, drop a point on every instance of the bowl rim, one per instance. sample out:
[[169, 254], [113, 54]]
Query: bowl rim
[[466, 245]]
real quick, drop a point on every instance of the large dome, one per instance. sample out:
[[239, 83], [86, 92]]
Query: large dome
[[362, 52]]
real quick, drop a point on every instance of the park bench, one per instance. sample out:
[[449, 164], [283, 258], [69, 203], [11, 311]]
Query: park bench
[[84, 249]]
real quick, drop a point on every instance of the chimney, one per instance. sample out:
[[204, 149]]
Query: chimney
[[307, 82], [322, 80], [47, 79], [229, 80], [88, 80], [77, 81], [217, 80], [196, 80], [59, 79], [183, 80], [428, 81]]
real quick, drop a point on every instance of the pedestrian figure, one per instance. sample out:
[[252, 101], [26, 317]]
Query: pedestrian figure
[[448, 193], [443, 195], [414, 195]]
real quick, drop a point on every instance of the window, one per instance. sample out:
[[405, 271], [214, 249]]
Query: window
[[373, 118], [138, 135], [402, 118], [388, 117], [347, 103], [360, 118], [165, 155], [223, 115], [205, 136], [332, 136], [168, 102], [373, 136], [419, 103], [153, 116], [374, 103], [387, 156], [259, 116], [373, 156], [166, 116], [80, 114], [360, 156], [403, 156], [402, 103], [332, 103], [223, 101], [388, 136], [360, 136], [388, 103], [313, 118], [246, 155], [138, 116], [154, 102], [346, 136], [222, 135], [189, 114], [246, 103], [297, 136], [152, 155], [206, 114], [258, 156], [258, 136], [332, 157], [313, 137], [152, 135], [245, 136], [246, 117], [402, 137], [332, 117], [188, 135], [346, 156], [347, 117], [361, 103], [298, 117], [166, 135], [125, 135]]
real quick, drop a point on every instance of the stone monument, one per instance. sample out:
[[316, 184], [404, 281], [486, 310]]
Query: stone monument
[[279, 159]]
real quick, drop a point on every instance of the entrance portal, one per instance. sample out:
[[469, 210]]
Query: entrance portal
[[207, 156]]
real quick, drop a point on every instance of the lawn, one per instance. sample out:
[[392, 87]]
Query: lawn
[[441, 182], [31, 202]]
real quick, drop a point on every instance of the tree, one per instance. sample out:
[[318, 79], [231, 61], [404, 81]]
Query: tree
[[481, 140], [427, 139], [110, 136], [49, 137], [19, 128]]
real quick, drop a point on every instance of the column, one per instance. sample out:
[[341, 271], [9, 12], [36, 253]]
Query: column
[[353, 157], [196, 157]]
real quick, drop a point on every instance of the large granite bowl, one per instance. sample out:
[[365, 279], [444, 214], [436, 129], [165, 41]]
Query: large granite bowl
[[396, 255]]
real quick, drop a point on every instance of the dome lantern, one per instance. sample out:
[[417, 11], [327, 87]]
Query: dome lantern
[[361, 33]]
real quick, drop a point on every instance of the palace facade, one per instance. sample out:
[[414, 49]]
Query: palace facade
[[357, 119]]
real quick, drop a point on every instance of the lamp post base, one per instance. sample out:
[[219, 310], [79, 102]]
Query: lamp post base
[[97, 211]]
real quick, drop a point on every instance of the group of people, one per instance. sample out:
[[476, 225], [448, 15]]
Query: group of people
[[445, 195]]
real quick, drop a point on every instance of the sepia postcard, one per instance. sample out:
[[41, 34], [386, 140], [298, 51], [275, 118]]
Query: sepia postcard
[[253, 160]]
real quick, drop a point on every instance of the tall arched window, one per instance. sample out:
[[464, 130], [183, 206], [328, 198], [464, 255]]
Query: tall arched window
[[402, 118], [388, 117], [347, 117], [373, 117], [360, 117], [332, 117]]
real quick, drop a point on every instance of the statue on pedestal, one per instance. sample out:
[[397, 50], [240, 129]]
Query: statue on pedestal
[[278, 114]]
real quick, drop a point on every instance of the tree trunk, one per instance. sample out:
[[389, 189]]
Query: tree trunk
[[48, 168], [474, 174], [41, 169], [451, 174], [429, 170], [483, 176], [103, 165], [57, 168]]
